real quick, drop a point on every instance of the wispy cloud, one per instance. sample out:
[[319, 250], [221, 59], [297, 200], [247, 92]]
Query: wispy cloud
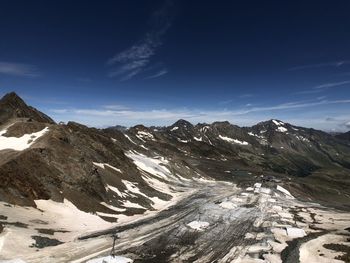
[[247, 95], [239, 97], [225, 102], [323, 87], [332, 85], [292, 105], [158, 74], [321, 65], [115, 107], [19, 69], [134, 60]]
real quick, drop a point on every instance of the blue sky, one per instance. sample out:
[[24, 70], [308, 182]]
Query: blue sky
[[153, 62]]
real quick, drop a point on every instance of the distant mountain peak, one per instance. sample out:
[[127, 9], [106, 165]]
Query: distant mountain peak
[[12, 98], [182, 123], [13, 106]]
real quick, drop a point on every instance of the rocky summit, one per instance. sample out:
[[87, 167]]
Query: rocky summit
[[273, 192]]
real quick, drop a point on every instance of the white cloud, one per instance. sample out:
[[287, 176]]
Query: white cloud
[[158, 74], [19, 69], [323, 87], [332, 85], [115, 107], [135, 59], [321, 65]]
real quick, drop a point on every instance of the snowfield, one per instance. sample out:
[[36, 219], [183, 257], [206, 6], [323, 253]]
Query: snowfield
[[20, 143], [110, 259], [235, 141], [227, 223]]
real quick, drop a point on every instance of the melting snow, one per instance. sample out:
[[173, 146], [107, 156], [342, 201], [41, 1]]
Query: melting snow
[[116, 190], [198, 139], [129, 204], [111, 259], [198, 225], [301, 138], [65, 213], [158, 185], [295, 232], [174, 129], [145, 135], [184, 141], [285, 191], [281, 129], [20, 143], [257, 185], [279, 125], [12, 261], [227, 205], [114, 208], [228, 139], [130, 139], [131, 187], [102, 165], [142, 146], [150, 165], [205, 128], [265, 190]]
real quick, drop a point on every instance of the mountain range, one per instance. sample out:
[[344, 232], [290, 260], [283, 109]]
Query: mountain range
[[118, 174]]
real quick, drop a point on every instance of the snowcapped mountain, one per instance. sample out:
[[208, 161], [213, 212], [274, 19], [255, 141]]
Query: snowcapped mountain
[[55, 174]]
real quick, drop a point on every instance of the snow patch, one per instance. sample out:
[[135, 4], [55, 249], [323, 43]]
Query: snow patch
[[65, 213], [227, 205], [20, 143], [198, 139], [129, 204], [295, 232], [198, 225], [130, 139], [228, 139], [279, 125], [114, 208], [111, 259], [145, 135], [257, 185], [116, 190], [281, 129], [174, 129], [102, 165], [205, 129], [285, 191], [150, 165], [12, 261], [265, 190]]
